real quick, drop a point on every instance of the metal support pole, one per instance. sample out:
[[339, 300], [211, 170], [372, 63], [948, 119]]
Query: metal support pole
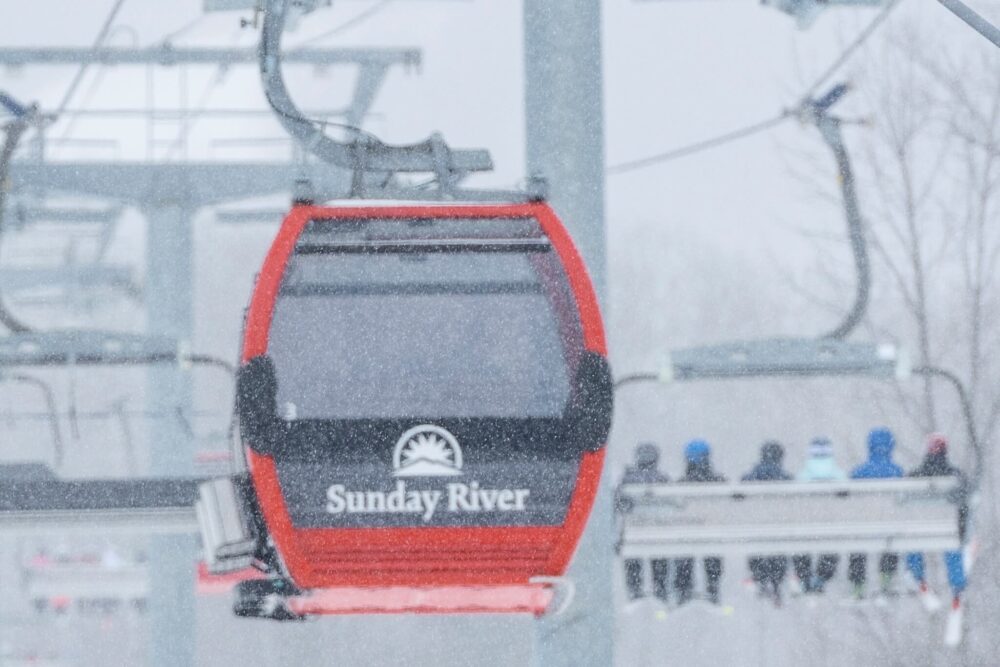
[[975, 21], [169, 293], [829, 128], [565, 145]]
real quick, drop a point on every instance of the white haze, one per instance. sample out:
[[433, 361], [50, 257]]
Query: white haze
[[703, 249]]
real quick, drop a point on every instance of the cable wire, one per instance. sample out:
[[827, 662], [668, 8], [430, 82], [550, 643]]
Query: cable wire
[[849, 51], [697, 147], [78, 77], [14, 132], [974, 20], [189, 119], [735, 135], [166, 39]]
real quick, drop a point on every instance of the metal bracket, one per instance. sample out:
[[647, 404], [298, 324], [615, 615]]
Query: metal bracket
[[564, 592]]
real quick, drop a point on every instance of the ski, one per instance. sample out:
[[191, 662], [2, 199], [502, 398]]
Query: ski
[[929, 599], [954, 626]]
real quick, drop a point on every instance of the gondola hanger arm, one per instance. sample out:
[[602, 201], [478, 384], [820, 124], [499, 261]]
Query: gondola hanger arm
[[363, 152], [817, 112]]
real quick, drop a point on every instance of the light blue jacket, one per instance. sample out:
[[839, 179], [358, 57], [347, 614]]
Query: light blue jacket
[[821, 469]]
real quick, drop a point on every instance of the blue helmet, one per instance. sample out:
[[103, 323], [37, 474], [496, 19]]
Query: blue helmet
[[697, 451]]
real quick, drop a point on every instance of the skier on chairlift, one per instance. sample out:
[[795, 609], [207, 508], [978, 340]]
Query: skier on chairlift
[[936, 464], [697, 454], [879, 465], [768, 572], [819, 467], [645, 470]]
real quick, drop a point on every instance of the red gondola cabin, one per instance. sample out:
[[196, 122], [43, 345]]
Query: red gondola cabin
[[424, 402]]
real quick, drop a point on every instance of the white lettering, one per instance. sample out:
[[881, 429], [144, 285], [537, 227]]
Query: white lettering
[[505, 502], [489, 498], [375, 501], [474, 496], [413, 502], [430, 499], [425, 502], [396, 502], [335, 499], [355, 501], [458, 497]]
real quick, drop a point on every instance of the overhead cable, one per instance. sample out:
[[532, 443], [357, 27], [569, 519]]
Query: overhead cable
[[974, 20], [697, 147], [170, 36], [760, 126], [851, 48], [200, 107], [23, 118], [78, 77]]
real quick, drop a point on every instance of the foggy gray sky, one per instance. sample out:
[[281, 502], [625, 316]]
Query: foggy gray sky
[[675, 72]]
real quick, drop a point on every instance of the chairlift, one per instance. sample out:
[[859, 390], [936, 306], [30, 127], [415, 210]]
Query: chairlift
[[424, 403], [788, 518], [763, 518]]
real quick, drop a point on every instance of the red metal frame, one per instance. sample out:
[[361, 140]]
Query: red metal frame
[[207, 583], [526, 599], [294, 544]]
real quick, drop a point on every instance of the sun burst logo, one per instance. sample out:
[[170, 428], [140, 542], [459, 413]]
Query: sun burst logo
[[427, 451]]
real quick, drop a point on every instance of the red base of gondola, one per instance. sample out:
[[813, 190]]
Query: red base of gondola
[[533, 599], [208, 583], [524, 599]]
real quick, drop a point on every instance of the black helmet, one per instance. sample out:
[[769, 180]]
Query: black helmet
[[772, 452], [647, 455]]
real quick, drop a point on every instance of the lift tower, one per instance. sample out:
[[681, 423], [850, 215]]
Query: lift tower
[[564, 102]]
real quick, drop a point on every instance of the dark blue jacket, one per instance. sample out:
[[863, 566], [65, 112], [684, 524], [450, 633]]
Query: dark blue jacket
[[879, 464], [701, 471], [769, 468]]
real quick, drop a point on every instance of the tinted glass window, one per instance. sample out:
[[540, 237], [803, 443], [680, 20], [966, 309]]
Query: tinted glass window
[[403, 332]]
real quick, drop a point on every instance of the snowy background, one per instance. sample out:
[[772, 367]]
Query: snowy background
[[741, 241]]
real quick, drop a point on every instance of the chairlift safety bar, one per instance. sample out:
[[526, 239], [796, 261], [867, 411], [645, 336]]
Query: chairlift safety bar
[[788, 518]]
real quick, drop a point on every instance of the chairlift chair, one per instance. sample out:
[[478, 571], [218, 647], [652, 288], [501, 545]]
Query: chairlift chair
[[764, 518]]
